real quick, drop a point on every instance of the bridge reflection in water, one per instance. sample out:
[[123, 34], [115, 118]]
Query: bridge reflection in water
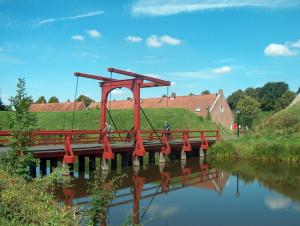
[[145, 184]]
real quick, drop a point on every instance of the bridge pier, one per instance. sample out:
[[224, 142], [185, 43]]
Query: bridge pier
[[119, 163], [201, 152], [136, 161], [183, 155], [162, 158], [104, 164]]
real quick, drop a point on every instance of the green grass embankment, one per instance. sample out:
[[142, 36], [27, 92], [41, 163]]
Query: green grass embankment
[[90, 119], [276, 138]]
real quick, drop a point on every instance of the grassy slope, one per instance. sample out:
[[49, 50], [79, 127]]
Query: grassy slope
[[276, 138], [262, 116], [177, 118]]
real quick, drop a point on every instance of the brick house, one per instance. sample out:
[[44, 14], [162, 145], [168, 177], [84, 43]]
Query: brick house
[[202, 105], [57, 107]]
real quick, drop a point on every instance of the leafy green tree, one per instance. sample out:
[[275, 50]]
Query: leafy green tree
[[128, 98], [234, 98], [85, 99], [285, 99], [2, 106], [205, 92], [40, 100], [191, 94], [298, 91], [18, 158], [173, 94], [269, 94], [251, 92], [53, 99], [249, 109], [164, 95]]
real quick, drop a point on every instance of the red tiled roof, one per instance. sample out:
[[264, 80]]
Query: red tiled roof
[[57, 107], [191, 103]]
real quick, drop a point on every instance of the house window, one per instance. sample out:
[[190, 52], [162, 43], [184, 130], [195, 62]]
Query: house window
[[197, 109], [221, 109]]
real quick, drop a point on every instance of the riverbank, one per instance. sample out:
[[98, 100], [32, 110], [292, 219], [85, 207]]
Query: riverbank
[[276, 138]]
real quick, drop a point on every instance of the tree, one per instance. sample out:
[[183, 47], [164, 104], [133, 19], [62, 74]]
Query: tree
[[249, 109], [298, 91], [205, 92], [234, 98], [21, 122], [85, 99], [269, 94], [191, 94], [251, 92], [285, 99], [41, 100], [2, 106], [173, 94], [164, 95], [128, 98], [53, 99]]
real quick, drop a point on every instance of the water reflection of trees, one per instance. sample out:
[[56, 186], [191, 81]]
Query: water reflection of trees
[[279, 176]]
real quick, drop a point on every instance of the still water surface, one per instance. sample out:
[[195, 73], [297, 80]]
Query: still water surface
[[197, 193]]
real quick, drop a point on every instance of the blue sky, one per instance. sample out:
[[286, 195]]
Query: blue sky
[[196, 44]]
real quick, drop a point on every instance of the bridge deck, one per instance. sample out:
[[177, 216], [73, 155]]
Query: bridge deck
[[96, 148]]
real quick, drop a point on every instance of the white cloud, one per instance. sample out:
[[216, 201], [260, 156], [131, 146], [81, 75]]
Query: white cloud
[[223, 70], [173, 83], [156, 41], [153, 41], [94, 33], [117, 92], [133, 39], [296, 44], [170, 40], [52, 20], [201, 74], [275, 50], [77, 37], [170, 7], [278, 202]]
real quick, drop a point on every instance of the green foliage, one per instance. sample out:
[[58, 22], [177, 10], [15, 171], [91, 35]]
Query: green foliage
[[298, 91], [205, 92], [2, 106], [234, 98], [191, 94], [102, 193], [53, 99], [173, 94], [251, 92], [286, 98], [249, 109], [41, 100], [21, 122], [164, 95], [85, 99], [269, 93], [30, 203]]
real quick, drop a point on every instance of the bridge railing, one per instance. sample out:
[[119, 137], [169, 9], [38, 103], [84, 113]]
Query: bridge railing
[[57, 137]]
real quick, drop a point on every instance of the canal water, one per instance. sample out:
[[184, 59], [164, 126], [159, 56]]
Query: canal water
[[197, 192]]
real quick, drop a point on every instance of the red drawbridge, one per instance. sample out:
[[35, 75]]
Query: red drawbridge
[[67, 144]]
